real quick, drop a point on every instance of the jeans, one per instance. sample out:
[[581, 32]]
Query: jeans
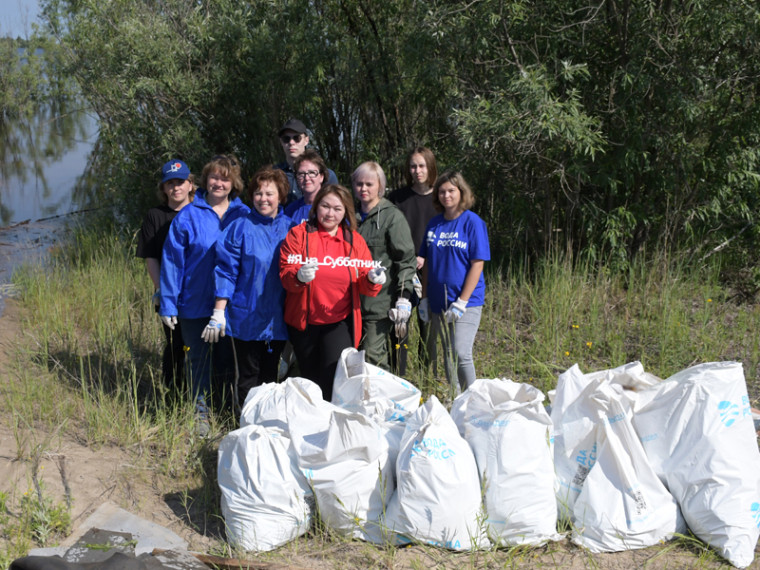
[[211, 365]]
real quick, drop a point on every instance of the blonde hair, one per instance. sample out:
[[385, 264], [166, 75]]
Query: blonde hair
[[374, 168]]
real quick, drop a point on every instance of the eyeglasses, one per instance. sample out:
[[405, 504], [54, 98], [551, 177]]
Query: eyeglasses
[[307, 174], [225, 157], [287, 138]]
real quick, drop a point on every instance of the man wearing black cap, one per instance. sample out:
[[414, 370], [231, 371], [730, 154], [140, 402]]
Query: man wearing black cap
[[294, 140]]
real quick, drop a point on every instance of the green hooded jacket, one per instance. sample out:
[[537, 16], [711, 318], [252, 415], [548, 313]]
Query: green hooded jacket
[[389, 239]]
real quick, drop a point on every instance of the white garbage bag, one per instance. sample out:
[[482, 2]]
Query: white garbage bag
[[264, 496], [294, 404], [357, 382], [370, 390], [438, 498], [575, 449], [509, 432], [697, 430], [622, 504], [347, 467]]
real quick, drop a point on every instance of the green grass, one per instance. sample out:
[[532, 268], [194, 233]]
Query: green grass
[[88, 364]]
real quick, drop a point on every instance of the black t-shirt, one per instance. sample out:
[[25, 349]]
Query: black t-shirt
[[417, 209], [155, 228]]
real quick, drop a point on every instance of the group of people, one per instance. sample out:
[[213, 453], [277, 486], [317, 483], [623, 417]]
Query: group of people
[[312, 266]]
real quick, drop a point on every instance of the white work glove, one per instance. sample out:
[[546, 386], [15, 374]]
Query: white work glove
[[455, 310], [377, 275], [307, 272], [400, 316], [169, 321], [417, 284], [424, 309], [156, 299], [215, 327]]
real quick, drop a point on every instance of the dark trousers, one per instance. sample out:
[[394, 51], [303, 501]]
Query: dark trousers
[[173, 359], [257, 363], [318, 350]]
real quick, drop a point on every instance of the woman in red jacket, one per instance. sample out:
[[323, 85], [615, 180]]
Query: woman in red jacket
[[324, 267]]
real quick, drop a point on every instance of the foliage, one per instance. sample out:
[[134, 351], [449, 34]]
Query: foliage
[[603, 129]]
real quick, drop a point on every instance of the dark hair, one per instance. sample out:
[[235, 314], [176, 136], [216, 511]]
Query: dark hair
[[228, 166], [429, 157], [454, 177], [165, 199], [269, 174], [312, 156], [349, 219]]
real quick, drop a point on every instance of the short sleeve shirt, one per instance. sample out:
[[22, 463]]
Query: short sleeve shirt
[[449, 248]]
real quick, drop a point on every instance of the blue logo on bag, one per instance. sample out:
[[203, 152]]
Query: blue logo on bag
[[755, 508], [729, 412]]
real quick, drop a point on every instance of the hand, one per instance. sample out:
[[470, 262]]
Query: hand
[[307, 272], [156, 299], [215, 327], [456, 310], [417, 284], [377, 275], [169, 321], [424, 310], [400, 316], [403, 310]]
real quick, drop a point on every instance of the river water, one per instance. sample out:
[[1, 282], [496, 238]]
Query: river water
[[42, 160]]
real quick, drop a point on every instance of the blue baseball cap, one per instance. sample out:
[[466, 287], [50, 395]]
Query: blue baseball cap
[[174, 169]]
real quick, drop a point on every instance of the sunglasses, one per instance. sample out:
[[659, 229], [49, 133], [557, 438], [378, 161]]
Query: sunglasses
[[287, 138]]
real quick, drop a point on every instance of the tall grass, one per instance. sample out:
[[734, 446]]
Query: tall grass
[[88, 360]]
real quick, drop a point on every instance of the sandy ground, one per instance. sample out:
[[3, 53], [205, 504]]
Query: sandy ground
[[89, 477]]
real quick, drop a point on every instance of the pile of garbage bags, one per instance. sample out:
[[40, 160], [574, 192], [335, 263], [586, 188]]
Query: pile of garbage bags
[[624, 459]]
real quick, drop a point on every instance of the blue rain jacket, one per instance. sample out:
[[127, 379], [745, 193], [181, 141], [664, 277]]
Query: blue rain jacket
[[247, 274], [189, 258]]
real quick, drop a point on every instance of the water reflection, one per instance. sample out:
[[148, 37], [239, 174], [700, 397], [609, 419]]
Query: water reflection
[[41, 160]]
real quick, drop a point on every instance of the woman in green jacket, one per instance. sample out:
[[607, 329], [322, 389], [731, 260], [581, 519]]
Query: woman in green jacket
[[389, 239]]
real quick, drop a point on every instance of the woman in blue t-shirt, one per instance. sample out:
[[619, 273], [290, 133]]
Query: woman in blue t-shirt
[[455, 249]]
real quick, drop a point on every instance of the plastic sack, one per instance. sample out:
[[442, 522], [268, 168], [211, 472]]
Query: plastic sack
[[698, 433], [572, 415], [264, 497], [509, 432], [296, 403], [357, 382], [370, 390], [347, 467], [622, 504], [437, 499]]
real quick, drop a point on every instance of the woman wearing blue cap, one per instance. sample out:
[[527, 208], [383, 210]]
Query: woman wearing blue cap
[[176, 190], [187, 274]]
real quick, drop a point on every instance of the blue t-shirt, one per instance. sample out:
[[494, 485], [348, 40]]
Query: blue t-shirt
[[449, 247], [298, 211]]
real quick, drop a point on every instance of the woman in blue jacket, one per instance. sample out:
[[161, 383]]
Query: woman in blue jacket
[[187, 271], [248, 283]]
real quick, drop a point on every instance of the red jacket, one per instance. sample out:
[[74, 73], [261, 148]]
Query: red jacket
[[299, 245]]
